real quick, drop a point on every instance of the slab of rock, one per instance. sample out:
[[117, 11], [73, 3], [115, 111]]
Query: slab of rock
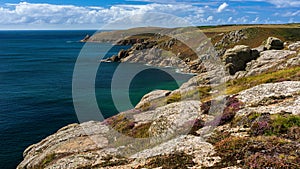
[[235, 59], [272, 98], [267, 60], [294, 46], [150, 97], [274, 43]]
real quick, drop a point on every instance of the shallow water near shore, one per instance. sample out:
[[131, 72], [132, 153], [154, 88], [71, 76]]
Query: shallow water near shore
[[36, 69]]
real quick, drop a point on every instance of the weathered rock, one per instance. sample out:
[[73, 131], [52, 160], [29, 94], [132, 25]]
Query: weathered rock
[[268, 60], [122, 54], [294, 46], [274, 43], [235, 59], [93, 143], [150, 97], [272, 98], [86, 38]]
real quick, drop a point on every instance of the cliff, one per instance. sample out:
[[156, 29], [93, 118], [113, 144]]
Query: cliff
[[253, 123]]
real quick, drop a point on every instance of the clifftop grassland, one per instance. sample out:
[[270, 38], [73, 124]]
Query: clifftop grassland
[[248, 118]]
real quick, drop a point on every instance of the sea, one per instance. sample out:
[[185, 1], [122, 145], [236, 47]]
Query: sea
[[36, 71]]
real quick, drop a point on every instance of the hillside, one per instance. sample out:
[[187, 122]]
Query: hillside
[[246, 115]]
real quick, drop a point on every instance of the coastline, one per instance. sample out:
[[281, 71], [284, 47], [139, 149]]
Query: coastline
[[241, 101]]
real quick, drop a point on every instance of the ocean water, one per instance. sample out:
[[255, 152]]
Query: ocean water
[[36, 69]]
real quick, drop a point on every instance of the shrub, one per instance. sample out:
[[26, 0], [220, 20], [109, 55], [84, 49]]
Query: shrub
[[233, 105], [258, 152], [196, 125]]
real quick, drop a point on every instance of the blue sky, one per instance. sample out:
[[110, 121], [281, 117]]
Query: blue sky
[[94, 14]]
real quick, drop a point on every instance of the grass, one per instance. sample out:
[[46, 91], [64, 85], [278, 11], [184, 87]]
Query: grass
[[198, 93], [127, 127], [235, 86], [281, 124], [48, 159]]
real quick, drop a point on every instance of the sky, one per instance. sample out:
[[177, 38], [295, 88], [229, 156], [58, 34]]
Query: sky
[[97, 14]]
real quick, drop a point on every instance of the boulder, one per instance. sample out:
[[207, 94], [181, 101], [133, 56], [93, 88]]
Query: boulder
[[274, 43], [235, 59]]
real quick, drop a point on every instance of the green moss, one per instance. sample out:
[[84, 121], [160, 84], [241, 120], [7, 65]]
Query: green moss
[[48, 159], [175, 97]]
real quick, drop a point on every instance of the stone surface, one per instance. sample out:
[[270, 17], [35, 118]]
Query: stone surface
[[272, 98], [294, 46], [274, 43], [235, 59]]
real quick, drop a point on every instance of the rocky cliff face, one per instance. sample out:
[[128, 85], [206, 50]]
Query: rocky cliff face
[[252, 119]]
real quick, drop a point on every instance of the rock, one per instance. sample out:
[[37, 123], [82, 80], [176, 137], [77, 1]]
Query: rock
[[95, 144], [272, 98], [274, 43], [150, 97], [268, 60], [232, 37], [86, 38], [294, 46], [235, 59], [122, 54]]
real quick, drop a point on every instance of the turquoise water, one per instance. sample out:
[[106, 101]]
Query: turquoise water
[[36, 69]]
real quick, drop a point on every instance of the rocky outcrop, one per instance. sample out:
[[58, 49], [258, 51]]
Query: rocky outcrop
[[86, 38], [268, 60], [274, 43], [272, 98], [96, 145], [174, 129], [232, 37], [235, 59], [294, 46]]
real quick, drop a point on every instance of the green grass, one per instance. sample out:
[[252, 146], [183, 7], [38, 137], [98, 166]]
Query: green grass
[[198, 94], [281, 124], [235, 86]]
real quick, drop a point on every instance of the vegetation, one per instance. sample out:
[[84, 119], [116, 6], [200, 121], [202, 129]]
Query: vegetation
[[125, 126], [110, 161], [48, 159], [172, 161], [258, 152], [237, 85], [232, 106], [198, 93]]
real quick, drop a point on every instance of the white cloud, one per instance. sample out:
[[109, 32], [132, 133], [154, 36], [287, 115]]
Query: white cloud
[[229, 19], [256, 20], [38, 14], [222, 7], [210, 18], [291, 14]]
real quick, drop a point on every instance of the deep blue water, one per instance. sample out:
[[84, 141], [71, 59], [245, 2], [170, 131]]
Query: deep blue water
[[36, 69]]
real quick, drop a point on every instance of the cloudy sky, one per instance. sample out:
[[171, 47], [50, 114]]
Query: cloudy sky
[[94, 14]]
